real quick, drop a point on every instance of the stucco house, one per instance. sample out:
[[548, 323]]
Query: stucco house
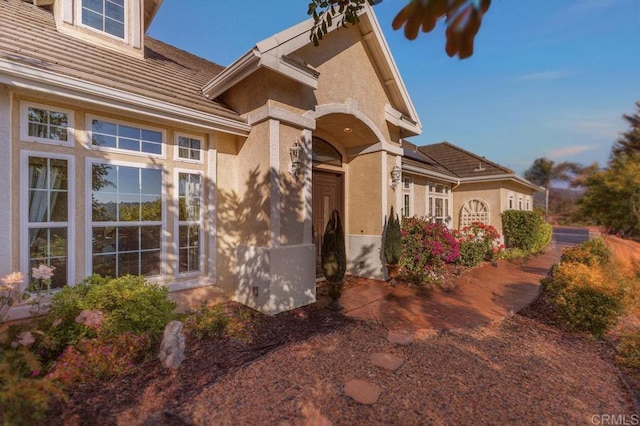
[[122, 154]]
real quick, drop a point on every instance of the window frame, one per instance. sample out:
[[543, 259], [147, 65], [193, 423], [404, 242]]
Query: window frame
[[176, 149], [445, 194], [89, 223], [178, 223], [24, 213], [163, 132], [24, 124], [80, 24]]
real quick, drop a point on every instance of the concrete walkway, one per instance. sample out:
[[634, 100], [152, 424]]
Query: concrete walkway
[[482, 295]]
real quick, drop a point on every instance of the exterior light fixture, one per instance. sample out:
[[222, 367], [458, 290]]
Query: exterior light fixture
[[295, 167], [347, 130], [395, 176]]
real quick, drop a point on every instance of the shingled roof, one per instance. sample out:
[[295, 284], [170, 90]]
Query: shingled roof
[[28, 36], [462, 163], [413, 156]]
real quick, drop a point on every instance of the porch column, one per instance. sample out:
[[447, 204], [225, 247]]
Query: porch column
[[5, 181]]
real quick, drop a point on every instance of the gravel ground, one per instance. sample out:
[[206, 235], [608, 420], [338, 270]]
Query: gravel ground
[[513, 371]]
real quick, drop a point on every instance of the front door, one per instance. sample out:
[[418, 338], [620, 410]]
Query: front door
[[327, 196]]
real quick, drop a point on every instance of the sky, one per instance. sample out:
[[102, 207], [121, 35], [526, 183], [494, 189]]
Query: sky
[[548, 78]]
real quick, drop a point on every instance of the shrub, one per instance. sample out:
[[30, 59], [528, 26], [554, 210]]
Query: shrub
[[525, 230], [629, 350], [590, 253], [478, 242], [586, 298], [208, 322], [127, 304], [426, 247], [393, 239]]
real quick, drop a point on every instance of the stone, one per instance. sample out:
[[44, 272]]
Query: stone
[[386, 361], [399, 338], [173, 343], [362, 391]]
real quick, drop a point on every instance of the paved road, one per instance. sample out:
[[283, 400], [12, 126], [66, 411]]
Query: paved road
[[570, 236]]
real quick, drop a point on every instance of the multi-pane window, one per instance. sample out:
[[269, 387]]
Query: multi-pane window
[[104, 15], [439, 203], [107, 134], [407, 205], [474, 211], [45, 124], [189, 148], [48, 215], [126, 220], [189, 201]]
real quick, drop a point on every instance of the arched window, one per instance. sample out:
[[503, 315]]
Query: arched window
[[474, 211], [324, 153]]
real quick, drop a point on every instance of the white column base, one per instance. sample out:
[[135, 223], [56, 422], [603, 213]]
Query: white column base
[[364, 256]]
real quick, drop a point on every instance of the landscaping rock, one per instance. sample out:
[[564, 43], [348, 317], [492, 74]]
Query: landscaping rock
[[399, 338], [362, 391], [173, 344], [386, 361]]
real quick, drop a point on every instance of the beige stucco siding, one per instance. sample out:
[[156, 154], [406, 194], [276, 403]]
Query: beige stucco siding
[[364, 195]]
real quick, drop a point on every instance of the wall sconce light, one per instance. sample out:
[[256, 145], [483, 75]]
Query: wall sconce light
[[395, 176], [295, 167]]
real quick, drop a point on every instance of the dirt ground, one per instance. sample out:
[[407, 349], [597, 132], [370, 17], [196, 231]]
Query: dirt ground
[[291, 369]]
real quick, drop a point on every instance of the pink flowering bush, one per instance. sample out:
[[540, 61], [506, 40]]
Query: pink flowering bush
[[426, 247], [478, 242]]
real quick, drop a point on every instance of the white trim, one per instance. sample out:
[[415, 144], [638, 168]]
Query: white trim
[[266, 112], [6, 182], [212, 205], [24, 212], [24, 124], [469, 200], [89, 131], [32, 78], [505, 176], [307, 187], [176, 151], [400, 120], [177, 221], [429, 174], [89, 161]]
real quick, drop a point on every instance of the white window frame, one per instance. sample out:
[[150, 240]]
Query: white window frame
[[80, 24], [407, 191], [177, 223], [447, 204], [24, 213], [176, 149], [520, 203], [24, 124], [90, 118], [89, 214], [511, 201]]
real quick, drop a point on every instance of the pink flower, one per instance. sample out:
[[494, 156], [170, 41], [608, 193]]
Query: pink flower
[[90, 318], [12, 279], [43, 272], [24, 339]]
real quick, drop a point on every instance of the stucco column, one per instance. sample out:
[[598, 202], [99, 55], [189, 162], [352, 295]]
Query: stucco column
[[5, 180], [212, 223]]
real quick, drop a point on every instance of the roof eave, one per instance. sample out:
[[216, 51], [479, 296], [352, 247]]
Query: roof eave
[[495, 178]]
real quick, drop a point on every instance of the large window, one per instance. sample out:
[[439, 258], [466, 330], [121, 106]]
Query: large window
[[189, 219], [40, 123], [104, 15], [126, 219], [474, 211], [438, 200], [47, 198], [118, 136]]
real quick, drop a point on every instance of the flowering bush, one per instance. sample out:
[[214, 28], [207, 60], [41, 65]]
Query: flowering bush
[[478, 242], [426, 247], [9, 291]]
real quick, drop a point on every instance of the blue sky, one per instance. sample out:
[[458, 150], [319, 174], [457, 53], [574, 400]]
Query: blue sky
[[548, 77]]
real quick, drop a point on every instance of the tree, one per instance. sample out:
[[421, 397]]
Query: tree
[[462, 17], [629, 143], [544, 171]]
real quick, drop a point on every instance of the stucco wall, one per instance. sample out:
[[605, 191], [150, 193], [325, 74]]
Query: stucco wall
[[364, 193]]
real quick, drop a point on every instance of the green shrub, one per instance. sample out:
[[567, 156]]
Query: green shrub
[[127, 304], [426, 247], [393, 239], [472, 253], [629, 350], [586, 297], [591, 252], [208, 321], [525, 230], [478, 242]]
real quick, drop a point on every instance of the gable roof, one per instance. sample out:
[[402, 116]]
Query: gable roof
[[30, 45], [415, 161], [272, 53]]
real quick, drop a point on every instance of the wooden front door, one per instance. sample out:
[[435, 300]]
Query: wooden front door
[[327, 196]]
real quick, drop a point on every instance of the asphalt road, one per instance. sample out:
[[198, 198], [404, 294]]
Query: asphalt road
[[570, 236]]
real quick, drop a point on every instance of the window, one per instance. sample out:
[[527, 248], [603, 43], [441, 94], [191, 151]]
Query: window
[[519, 203], [104, 15], [47, 198], [528, 203], [438, 199], [407, 205], [407, 182], [126, 219], [189, 220], [510, 202], [474, 211], [111, 135], [189, 148], [322, 152], [40, 123]]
